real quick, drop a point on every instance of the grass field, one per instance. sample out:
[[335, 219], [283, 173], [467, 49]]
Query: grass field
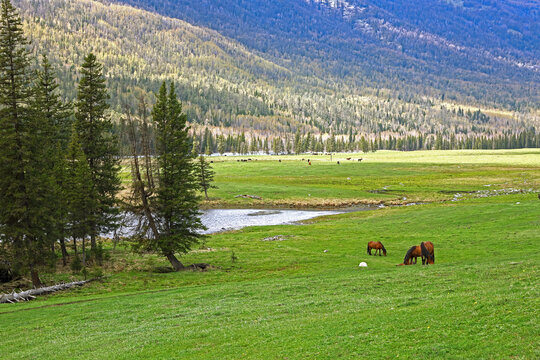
[[383, 177], [305, 297]]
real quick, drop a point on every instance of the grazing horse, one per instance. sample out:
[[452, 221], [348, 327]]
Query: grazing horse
[[378, 246], [425, 251], [412, 255], [428, 253]]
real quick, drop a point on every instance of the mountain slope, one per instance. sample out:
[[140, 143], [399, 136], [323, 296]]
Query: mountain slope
[[317, 80], [471, 51]]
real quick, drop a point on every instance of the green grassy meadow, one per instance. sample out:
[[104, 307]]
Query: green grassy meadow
[[388, 177], [305, 297]]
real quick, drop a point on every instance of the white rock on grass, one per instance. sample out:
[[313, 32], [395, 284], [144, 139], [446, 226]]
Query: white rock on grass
[[362, 264]]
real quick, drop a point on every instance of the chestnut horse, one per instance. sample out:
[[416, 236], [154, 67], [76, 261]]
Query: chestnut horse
[[428, 253], [377, 245], [425, 251]]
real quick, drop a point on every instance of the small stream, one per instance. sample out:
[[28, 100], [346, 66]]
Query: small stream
[[217, 220]]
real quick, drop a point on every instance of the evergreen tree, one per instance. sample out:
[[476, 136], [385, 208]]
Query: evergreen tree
[[221, 144], [205, 175], [55, 119], [94, 129], [52, 109], [298, 142], [79, 194], [208, 150], [26, 184], [176, 204], [195, 147]]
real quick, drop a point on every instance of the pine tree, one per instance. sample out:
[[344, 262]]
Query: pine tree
[[53, 110], [205, 175], [298, 142], [55, 120], [94, 129], [195, 147], [79, 194], [26, 220], [174, 218], [221, 144]]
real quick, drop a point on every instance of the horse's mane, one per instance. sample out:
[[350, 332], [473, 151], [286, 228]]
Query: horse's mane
[[408, 254], [425, 252]]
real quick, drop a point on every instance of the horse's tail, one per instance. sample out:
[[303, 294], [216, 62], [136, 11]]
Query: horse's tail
[[425, 252], [368, 249]]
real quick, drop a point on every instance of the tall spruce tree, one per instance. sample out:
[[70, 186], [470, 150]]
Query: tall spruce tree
[[205, 175], [55, 112], [95, 131], [79, 195], [176, 203], [27, 223], [55, 119]]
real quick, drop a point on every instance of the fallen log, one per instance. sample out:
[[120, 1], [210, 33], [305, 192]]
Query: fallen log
[[249, 197], [31, 294]]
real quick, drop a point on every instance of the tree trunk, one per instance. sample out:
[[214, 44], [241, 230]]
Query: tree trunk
[[31, 294], [36, 281], [65, 254], [93, 243], [176, 264], [83, 253], [206, 193], [75, 245]]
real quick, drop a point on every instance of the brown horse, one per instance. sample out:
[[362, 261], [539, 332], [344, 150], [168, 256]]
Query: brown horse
[[428, 253], [377, 245], [425, 251]]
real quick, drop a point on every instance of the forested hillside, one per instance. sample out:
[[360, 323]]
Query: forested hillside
[[472, 50], [269, 68]]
